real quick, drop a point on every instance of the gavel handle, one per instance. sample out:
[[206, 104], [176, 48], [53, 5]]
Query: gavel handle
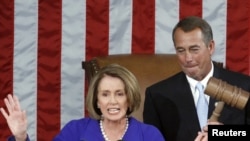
[[216, 113]]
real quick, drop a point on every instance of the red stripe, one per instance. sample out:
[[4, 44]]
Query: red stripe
[[97, 31], [190, 7], [6, 58], [143, 26], [97, 28], [238, 41], [49, 69]]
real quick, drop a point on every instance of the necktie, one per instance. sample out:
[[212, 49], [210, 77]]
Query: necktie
[[202, 106]]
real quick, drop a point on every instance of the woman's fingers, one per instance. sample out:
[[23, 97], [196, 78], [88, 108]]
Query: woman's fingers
[[8, 104], [4, 113], [11, 101], [16, 103], [12, 104]]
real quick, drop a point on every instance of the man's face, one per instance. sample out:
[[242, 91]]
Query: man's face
[[193, 54]]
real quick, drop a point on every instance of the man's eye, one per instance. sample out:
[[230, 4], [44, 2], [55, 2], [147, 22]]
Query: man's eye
[[180, 50], [194, 49]]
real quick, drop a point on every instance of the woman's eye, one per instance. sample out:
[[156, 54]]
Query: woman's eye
[[104, 94], [120, 94]]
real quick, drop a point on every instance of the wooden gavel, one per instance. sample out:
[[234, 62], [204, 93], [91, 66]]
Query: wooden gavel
[[225, 93]]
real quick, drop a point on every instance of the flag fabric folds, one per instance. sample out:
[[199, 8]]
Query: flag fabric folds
[[42, 44]]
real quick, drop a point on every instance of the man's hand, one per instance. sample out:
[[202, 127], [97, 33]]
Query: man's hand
[[203, 135]]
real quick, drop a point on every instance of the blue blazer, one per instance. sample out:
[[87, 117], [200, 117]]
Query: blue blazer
[[88, 129], [169, 105]]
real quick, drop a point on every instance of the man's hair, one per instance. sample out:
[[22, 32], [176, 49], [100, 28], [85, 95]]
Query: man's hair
[[192, 22]]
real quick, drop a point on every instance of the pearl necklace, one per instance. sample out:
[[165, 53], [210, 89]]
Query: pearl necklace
[[104, 134]]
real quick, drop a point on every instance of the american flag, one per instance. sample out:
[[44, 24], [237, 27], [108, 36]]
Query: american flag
[[42, 44]]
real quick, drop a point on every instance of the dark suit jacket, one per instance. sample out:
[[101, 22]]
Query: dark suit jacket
[[169, 105]]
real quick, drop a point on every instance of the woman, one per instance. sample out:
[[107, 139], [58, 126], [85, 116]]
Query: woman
[[113, 95]]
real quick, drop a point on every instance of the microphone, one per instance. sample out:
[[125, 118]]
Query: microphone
[[225, 93]]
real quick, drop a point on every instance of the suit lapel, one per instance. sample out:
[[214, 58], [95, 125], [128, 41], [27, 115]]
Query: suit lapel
[[188, 109]]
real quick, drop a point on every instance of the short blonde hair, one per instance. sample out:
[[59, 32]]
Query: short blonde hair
[[132, 89]]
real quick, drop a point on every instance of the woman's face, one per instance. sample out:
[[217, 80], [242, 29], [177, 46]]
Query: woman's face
[[111, 98]]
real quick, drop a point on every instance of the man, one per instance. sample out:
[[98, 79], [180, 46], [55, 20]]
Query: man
[[170, 104]]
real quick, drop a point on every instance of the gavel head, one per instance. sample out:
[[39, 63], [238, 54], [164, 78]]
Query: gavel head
[[231, 95]]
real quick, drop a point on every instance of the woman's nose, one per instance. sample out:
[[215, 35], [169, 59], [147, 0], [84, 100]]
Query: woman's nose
[[113, 99]]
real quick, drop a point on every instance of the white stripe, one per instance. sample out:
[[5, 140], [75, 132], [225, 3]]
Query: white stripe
[[120, 28], [25, 60], [167, 15], [73, 53], [215, 13]]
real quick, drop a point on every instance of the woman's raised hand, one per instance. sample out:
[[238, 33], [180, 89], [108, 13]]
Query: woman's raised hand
[[15, 117]]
